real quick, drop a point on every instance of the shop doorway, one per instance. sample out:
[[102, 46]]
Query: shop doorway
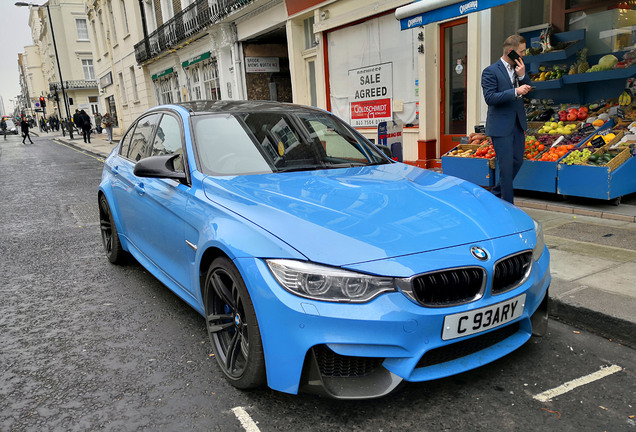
[[453, 57]]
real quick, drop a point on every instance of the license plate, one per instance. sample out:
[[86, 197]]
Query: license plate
[[478, 320]]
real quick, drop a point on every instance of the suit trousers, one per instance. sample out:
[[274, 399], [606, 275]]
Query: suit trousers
[[509, 150]]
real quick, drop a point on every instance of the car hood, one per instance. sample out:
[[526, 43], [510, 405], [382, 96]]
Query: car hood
[[353, 215]]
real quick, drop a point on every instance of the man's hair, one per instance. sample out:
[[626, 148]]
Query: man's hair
[[513, 42]]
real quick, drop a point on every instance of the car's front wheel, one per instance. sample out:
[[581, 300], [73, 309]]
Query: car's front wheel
[[110, 236], [232, 326]]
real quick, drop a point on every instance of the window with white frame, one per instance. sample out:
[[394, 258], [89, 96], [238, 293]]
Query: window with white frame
[[133, 84], [96, 39], [122, 89], [168, 89], [195, 82], [89, 71], [113, 31], [124, 15], [211, 79], [82, 29]]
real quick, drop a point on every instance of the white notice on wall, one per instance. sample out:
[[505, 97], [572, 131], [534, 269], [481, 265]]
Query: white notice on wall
[[261, 64]]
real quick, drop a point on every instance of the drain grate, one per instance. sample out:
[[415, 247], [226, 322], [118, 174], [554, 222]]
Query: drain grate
[[85, 214]]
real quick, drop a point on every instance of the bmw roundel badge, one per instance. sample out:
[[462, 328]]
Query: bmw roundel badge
[[479, 253]]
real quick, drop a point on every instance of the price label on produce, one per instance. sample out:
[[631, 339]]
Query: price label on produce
[[588, 128], [480, 129], [621, 113], [464, 140], [598, 142]]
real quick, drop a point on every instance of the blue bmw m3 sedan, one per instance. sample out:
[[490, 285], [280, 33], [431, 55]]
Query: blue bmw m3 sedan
[[317, 262]]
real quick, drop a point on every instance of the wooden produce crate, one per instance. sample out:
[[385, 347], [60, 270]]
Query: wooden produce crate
[[475, 170], [615, 179], [620, 158]]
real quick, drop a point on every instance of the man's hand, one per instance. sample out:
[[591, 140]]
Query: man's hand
[[520, 68], [523, 89]]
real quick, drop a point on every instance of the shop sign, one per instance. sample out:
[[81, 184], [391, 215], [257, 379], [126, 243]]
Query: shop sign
[[106, 80], [261, 64], [160, 74], [196, 59], [372, 92]]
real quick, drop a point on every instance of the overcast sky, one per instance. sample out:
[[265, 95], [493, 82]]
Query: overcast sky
[[15, 34]]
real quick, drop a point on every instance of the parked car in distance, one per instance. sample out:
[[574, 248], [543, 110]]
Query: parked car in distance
[[11, 126], [318, 263]]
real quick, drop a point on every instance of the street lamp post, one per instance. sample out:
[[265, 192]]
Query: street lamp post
[[59, 69]]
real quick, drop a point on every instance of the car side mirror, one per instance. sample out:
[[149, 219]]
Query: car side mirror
[[159, 167]]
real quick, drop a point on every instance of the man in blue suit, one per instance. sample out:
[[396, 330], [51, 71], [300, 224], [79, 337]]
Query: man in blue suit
[[504, 84]]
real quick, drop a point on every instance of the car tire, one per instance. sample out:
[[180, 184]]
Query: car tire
[[110, 236], [232, 326]]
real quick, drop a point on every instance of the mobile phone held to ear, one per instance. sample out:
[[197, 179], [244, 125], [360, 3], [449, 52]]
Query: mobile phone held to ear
[[512, 55]]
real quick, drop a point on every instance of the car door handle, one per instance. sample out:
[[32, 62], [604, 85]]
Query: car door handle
[[140, 188], [116, 170]]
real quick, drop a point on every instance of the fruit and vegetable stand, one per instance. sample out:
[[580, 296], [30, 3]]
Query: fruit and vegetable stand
[[580, 141], [575, 159]]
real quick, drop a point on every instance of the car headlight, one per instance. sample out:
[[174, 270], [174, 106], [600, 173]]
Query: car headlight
[[328, 283], [538, 248]]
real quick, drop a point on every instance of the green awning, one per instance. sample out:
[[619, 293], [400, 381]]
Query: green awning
[[196, 59], [160, 74]]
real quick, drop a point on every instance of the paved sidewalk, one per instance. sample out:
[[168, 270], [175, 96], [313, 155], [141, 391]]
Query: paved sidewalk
[[593, 254]]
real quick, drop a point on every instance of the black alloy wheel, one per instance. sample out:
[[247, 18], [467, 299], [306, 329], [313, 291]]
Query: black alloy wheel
[[110, 236], [232, 326]]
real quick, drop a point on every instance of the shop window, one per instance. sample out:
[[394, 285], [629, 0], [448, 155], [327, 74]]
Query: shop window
[[211, 79], [168, 89], [369, 64], [607, 29]]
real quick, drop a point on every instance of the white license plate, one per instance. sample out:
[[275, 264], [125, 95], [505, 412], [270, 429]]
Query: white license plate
[[478, 320]]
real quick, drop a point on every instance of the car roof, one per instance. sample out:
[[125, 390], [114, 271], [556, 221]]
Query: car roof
[[241, 106]]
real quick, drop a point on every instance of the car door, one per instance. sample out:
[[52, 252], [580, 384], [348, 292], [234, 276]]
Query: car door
[[128, 192], [160, 206]]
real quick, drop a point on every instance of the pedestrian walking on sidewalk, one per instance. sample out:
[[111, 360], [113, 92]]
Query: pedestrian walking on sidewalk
[[86, 126], [3, 126], [24, 126], [107, 121], [98, 122]]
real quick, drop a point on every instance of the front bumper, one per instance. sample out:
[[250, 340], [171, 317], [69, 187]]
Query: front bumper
[[354, 351]]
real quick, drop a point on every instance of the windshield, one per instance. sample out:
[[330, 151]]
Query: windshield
[[265, 142]]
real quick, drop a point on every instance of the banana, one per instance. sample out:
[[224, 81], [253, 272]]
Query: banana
[[624, 99]]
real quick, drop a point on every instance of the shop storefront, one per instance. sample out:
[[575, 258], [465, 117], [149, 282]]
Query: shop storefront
[[203, 77], [581, 58], [167, 87]]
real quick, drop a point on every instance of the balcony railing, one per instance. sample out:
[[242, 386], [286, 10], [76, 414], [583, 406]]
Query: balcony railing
[[74, 85], [191, 20]]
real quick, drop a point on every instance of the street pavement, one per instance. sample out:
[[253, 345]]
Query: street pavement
[[592, 244]]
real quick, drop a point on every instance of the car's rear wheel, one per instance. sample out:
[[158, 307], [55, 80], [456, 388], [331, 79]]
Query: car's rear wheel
[[110, 236], [232, 326]]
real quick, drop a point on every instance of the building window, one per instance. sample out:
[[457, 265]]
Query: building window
[[102, 30], [211, 79], [195, 83], [95, 39], [82, 29], [133, 83], [310, 39], [113, 31], [124, 16], [168, 89], [87, 67], [122, 89]]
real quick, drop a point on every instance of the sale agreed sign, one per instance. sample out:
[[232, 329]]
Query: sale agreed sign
[[372, 93]]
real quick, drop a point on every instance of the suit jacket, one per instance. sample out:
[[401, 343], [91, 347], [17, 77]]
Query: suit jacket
[[504, 108]]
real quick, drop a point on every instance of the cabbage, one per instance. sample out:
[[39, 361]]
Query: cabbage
[[607, 62]]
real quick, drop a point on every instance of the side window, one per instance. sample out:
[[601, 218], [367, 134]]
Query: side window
[[168, 140], [125, 142], [140, 142]]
